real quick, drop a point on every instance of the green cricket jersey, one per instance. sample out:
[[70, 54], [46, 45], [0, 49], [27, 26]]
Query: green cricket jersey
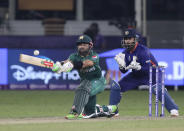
[[89, 73]]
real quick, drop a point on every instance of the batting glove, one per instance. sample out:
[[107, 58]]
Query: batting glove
[[62, 67], [57, 67]]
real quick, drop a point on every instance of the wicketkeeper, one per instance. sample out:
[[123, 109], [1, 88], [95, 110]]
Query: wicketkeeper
[[135, 57], [86, 61]]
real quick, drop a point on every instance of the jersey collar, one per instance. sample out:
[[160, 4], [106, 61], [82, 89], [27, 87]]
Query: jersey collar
[[90, 52]]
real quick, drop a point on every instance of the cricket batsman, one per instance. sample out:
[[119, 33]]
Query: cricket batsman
[[86, 61], [135, 57]]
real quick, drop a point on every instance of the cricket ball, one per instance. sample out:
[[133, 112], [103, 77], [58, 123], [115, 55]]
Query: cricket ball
[[36, 52]]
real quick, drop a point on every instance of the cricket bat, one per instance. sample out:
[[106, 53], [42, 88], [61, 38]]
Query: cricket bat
[[37, 61]]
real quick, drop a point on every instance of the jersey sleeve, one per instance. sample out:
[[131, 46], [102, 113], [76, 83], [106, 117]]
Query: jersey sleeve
[[144, 57], [72, 57]]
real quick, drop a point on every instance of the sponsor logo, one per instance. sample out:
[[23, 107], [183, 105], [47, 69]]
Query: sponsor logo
[[28, 73], [88, 70], [73, 86], [57, 87], [178, 71], [18, 86], [35, 86]]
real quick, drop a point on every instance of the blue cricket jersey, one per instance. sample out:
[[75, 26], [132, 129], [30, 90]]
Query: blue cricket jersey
[[144, 57]]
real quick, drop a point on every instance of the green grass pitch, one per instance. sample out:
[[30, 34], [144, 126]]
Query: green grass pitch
[[45, 111]]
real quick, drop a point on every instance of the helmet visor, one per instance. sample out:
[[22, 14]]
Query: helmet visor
[[127, 43]]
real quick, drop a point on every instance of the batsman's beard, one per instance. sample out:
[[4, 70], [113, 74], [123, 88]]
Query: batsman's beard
[[83, 52]]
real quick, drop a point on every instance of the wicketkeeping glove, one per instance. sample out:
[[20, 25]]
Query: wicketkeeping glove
[[134, 65], [120, 59]]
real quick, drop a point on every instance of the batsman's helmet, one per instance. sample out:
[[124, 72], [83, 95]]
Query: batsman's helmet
[[127, 34], [84, 39]]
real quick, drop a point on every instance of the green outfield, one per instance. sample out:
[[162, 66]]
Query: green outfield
[[44, 111]]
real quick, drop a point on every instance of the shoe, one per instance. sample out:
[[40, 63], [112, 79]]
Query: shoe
[[94, 115], [112, 108], [113, 111], [116, 114], [71, 116], [174, 113], [81, 116]]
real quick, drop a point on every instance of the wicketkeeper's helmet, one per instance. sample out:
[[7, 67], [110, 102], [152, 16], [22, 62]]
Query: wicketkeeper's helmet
[[127, 34]]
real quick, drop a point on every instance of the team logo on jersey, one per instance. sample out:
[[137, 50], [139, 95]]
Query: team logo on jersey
[[94, 56], [129, 58]]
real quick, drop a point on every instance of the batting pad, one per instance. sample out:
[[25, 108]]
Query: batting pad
[[82, 96]]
